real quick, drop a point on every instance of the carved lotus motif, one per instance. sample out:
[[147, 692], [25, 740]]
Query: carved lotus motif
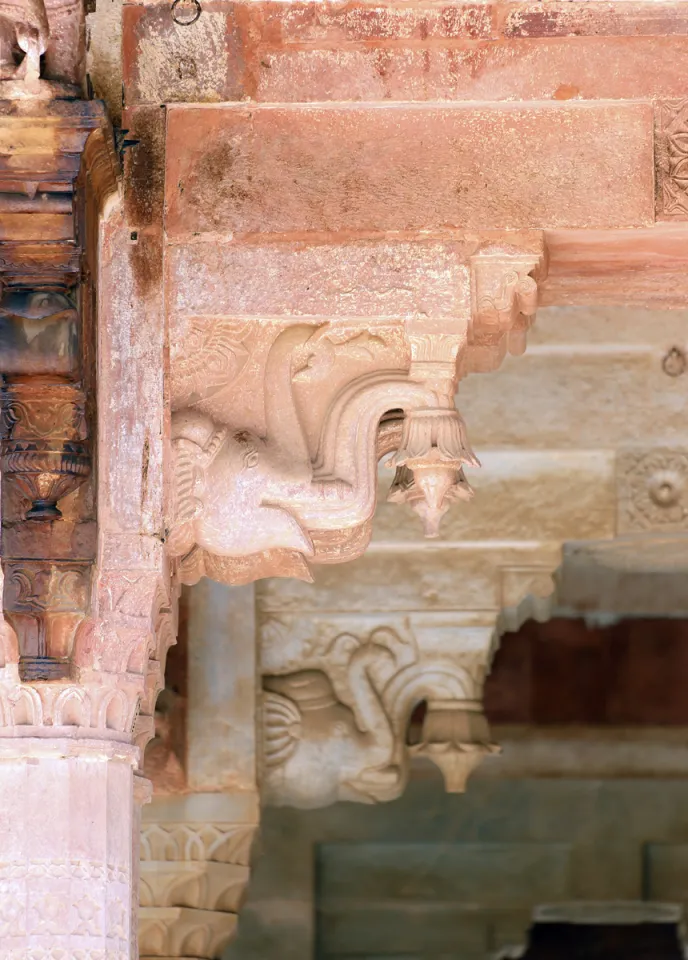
[[429, 477]]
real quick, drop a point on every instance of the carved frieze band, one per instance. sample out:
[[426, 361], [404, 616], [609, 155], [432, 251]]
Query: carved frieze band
[[671, 146]]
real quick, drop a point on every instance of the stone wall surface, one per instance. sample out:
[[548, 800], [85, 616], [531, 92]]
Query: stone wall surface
[[411, 51], [435, 876]]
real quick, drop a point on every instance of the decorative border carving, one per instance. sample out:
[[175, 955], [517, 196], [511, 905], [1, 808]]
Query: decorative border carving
[[671, 147]]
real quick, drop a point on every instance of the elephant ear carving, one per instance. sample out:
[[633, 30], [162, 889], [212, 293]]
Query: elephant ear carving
[[207, 359], [282, 724]]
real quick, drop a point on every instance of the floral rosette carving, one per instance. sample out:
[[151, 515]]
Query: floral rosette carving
[[429, 465]]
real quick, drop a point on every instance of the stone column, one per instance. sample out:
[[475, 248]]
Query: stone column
[[68, 865], [196, 847]]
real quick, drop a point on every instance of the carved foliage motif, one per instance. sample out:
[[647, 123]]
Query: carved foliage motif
[[672, 159], [429, 465], [193, 877], [127, 639], [335, 729], [211, 356], [45, 602], [103, 711], [653, 490]]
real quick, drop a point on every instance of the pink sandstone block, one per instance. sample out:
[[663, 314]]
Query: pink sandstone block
[[163, 61], [243, 170], [363, 279], [337, 24], [522, 69], [568, 18]]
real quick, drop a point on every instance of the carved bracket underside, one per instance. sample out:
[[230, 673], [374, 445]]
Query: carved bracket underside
[[284, 427]]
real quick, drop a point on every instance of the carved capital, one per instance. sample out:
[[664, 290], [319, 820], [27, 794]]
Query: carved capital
[[338, 698], [504, 299]]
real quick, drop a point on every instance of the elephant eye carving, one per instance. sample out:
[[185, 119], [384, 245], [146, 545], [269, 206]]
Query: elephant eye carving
[[250, 458]]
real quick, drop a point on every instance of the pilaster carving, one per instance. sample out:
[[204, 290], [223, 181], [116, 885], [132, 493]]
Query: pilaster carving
[[337, 704], [65, 891], [671, 120], [193, 877], [46, 446]]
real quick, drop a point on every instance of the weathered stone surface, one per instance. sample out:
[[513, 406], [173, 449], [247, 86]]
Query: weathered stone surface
[[355, 279], [164, 61], [366, 929], [240, 170], [626, 386], [341, 24], [482, 873], [593, 326], [666, 871], [644, 268], [575, 19], [222, 748], [590, 67], [421, 577]]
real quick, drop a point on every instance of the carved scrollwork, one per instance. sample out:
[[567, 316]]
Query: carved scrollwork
[[671, 144], [213, 355]]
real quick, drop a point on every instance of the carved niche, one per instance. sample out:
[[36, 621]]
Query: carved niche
[[277, 429], [337, 704]]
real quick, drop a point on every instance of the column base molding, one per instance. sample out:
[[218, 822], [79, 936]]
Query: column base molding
[[195, 855]]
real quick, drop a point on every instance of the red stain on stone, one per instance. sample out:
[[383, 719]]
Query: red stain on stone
[[566, 91]]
